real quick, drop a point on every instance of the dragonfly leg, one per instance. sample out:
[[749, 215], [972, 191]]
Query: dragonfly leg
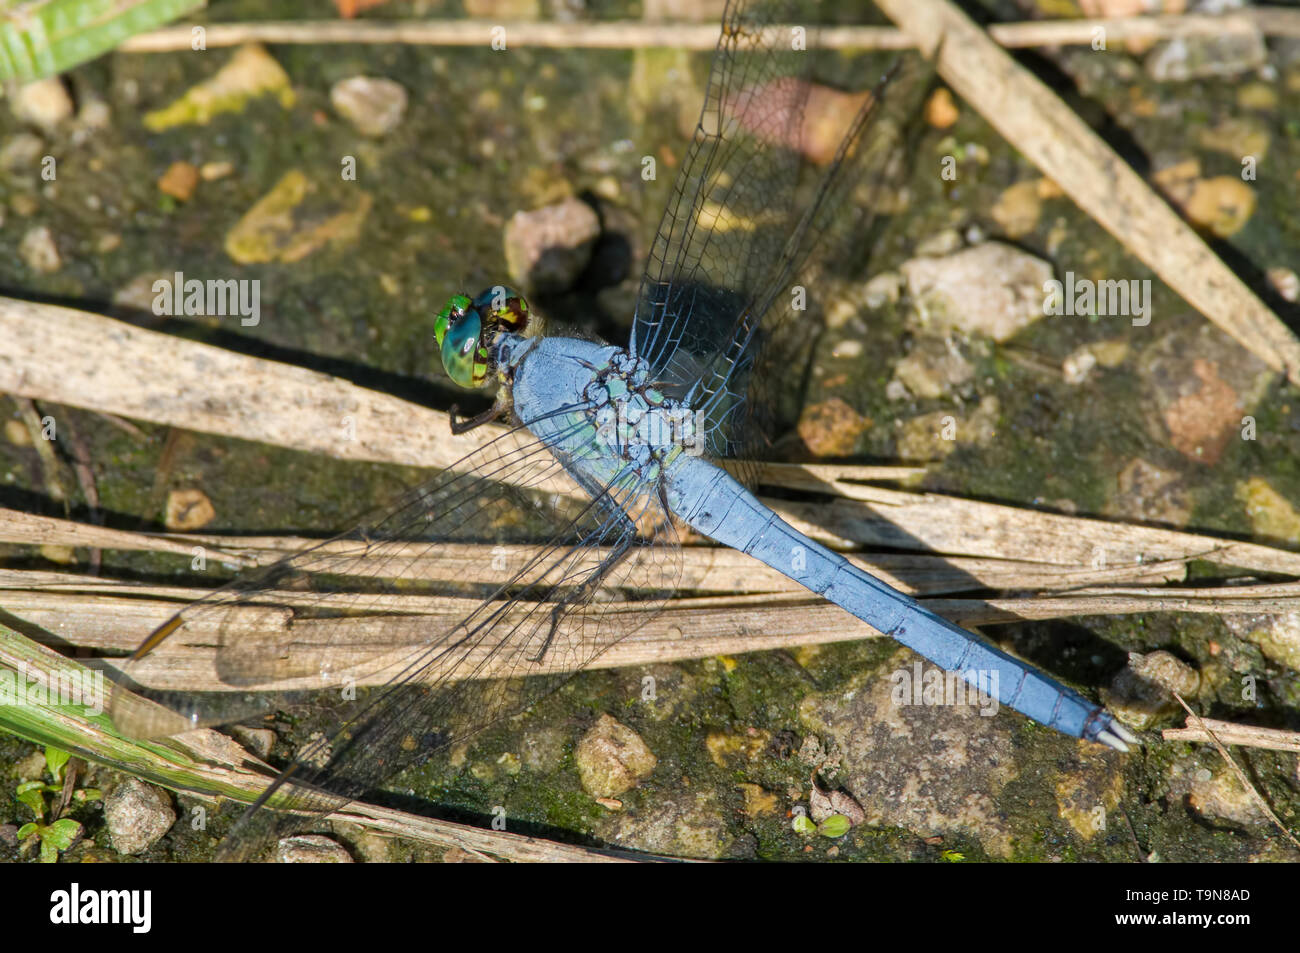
[[576, 597], [460, 425]]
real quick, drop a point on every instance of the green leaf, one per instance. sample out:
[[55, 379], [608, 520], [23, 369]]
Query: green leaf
[[88, 794], [49, 853], [837, 825], [803, 824], [62, 834], [31, 794], [55, 760], [27, 830], [952, 856]]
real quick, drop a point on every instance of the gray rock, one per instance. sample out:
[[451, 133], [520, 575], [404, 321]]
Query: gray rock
[[934, 767], [311, 849], [1211, 791], [941, 243], [44, 103], [612, 758], [137, 815], [256, 740], [94, 115], [138, 293], [22, 152], [38, 251], [1195, 57], [883, 289], [1140, 695], [542, 748], [1276, 634], [1196, 386], [374, 105], [683, 824], [991, 289], [1145, 492], [933, 369], [1285, 282], [547, 249]]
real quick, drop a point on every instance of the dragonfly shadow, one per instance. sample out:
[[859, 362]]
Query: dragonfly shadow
[[40, 634]]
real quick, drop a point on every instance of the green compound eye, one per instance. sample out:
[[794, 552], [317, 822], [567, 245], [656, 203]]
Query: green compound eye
[[448, 315], [467, 328], [504, 305], [462, 357]]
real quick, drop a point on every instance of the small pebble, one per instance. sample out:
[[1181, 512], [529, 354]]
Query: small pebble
[[941, 243], [883, 289], [137, 815], [373, 105], [548, 248], [1167, 671], [95, 114], [1018, 208], [211, 171], [1198, 57], [831, 428], [1222, 204], [940, 110], [58, 553], [1285, 282], [44, 103], [17, 434], [1075, 368], [179, 181], [1261, 97], [311, 849], [611, 758], [188, 510], [38, 251], [22, 152], [993, 289], [256, 740]]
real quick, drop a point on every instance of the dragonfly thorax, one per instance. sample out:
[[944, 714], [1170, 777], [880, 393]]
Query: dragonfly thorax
[[597, 407], [632, 418]]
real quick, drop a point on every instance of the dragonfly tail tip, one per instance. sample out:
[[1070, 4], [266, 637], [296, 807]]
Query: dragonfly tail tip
[[1113, 740], [1124, 733]]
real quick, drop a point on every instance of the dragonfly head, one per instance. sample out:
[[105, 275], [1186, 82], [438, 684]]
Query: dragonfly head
[[467, 328]]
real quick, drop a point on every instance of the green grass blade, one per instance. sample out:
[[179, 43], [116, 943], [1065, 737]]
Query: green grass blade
[[72, 727], [41, 38]]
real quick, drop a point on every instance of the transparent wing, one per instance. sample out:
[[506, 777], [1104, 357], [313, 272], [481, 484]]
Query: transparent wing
[[730, 211], [448, 656], [716, 317]]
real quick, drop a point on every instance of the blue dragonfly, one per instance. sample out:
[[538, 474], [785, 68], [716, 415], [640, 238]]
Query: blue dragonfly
[[646, 438]]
